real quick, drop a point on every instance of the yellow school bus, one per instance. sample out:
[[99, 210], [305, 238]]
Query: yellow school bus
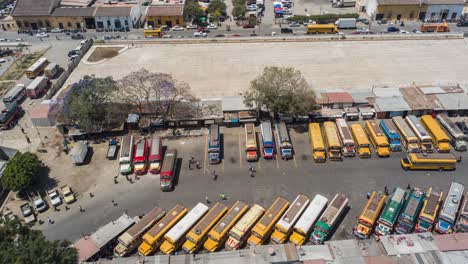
[[423, 161], [37, 68], [153, 238], [332, 140], [152, 33], [369, 215], [409, 140], [263, 229], [429, 211], [322, 29], [378, 139], [239, 232], [197, 235], [316, 143], [439, 138], [285, 225], [218, 235], [361, 140], [251, 147]]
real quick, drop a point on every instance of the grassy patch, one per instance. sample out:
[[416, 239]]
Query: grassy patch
[[101, 53], [5, 86], [18, 68]]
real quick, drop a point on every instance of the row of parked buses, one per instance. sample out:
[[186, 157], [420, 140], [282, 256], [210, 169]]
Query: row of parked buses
[[302, 220], [419, 136], [416, 211], [145, 155]]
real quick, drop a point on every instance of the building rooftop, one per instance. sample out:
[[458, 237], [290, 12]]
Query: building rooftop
[[7, 153], [74, 11], [112, 11], [337, 97], [166, 2], [398, 2], [165, 10], [431, 89], [415, 99], [234, 103], [361, 97], [386, 92], [34, 7], [111, 230], [453, 101], [391, 104], [76, 3]]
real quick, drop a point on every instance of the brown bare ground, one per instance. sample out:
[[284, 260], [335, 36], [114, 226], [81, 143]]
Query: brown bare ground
[[101, 53]]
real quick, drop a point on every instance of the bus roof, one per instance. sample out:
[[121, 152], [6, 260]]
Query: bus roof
[[155, 147], [450, 126], [358, 132], [169, 159], [344, 131], [202, 227], [37, 64], [392, 209], [373, 206], [389, 129], [331, 134], [251, 138], [433, 156], [265, 128], [271, 215], [140, 148], [141, 226], [214, 135], [375, 129], [13, 92], [290, 217], [236, 211], [452, 202], [413, 204], [315, 135], [418, 129], [187, 222], [403, 127], [166, 220], [247, 221], [311, 214], [334, 209], [431, 203], [126, 149], [434, 128], [282, 131], [464, 208]]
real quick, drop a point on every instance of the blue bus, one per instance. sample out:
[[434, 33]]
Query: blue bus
[[410, 212], [391, 133], [268, 150]]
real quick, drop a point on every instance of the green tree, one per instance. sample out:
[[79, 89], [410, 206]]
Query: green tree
[[19, 244], [192, 10], [20, 171], [281, 90], [239, 11], [215, 15], [216, 5], [91, 105]]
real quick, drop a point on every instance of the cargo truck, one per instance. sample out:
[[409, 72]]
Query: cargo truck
[[28, 213], [129, 240], [176, 236], [329, 218], [304, 225], [155, 155], [112, 149], [168, 170], [285, 225], [214, 145], [410, 212], [155, 236], [78, 153], [126, 152], [345, 23], [284, 141]]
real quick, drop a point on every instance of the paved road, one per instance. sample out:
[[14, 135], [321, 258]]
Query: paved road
[[354, 177]]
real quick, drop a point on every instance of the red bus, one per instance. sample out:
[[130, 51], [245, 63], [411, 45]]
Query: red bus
[[167, 170], [155, 155], [139, 159]]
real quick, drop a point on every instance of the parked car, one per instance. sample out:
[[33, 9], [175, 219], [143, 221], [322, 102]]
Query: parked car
[[212, 26], [191, 27], [177, 28], [68, 195], [2, 60], [220, 36], [286, 30], [294, 24], [235, 35], [462, 23], [404, 32], [77, 36], [167, 36], [200, 34], [54, 197], [365, 21], [252, 8], [42, 35], [382, 22], [393, 29], [28, 213], [39, 204], [463, 127], [56, 30]]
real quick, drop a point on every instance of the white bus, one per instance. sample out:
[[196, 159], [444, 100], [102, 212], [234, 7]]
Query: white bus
[[347, 147], [308, 219], [420, 132], [15, 94], [457, 137], [448, 214], [176, 236], [286, 223]]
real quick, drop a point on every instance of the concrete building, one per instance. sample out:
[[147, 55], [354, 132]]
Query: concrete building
[[169, 15], [336, 100], [34, 14], [8, 24], [438, 10], [73, 18], [118, 17]]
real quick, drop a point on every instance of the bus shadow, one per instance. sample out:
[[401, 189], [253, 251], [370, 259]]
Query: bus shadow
[[178, 168], [338, 224]]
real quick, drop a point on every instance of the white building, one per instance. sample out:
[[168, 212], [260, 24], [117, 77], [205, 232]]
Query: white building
[[118, 17], [438, 10]]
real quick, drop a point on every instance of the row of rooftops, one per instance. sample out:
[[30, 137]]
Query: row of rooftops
[[448, 97], [420, 2], [91, 8]]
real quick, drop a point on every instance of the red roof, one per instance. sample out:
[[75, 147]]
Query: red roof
[[337, 97], [165, 10], [457, 241], [40, 111], [86, 248]]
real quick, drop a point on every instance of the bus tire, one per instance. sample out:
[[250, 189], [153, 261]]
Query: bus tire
[[441, 169]]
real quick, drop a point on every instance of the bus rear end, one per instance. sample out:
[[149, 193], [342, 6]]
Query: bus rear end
[[167, 171]]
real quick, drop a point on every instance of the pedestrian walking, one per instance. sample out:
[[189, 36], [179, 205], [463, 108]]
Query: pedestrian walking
[[91, 195], [114, 203], [408, 187], [115, 180], [251, 174], [198, 165], [386, 190], [223, 196], [368, 195], [81, 208], [207, 200], [66, 208]]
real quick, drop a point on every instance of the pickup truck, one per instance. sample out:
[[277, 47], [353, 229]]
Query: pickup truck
[[39, 204], [68, 195], [28, 213], [112, 149], [54, 197]]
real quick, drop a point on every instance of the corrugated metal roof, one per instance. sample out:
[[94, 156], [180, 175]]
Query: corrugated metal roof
[[86, 248], [337, 97], [431, 90], [398, 2], [361, 97], [415, 99], [453, 101], [34, 7], [386, 92], [456, 241], [113, 11], [39, 111], [165, 10], [74, 12], [391, 104], [234, 103], [111, 230]]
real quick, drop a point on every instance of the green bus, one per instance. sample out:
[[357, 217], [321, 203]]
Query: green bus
[[391, 212]]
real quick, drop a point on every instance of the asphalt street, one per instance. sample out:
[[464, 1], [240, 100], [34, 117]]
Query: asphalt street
[[354, 177]]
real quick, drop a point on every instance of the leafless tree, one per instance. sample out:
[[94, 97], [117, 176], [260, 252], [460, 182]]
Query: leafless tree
[[156, 94]]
